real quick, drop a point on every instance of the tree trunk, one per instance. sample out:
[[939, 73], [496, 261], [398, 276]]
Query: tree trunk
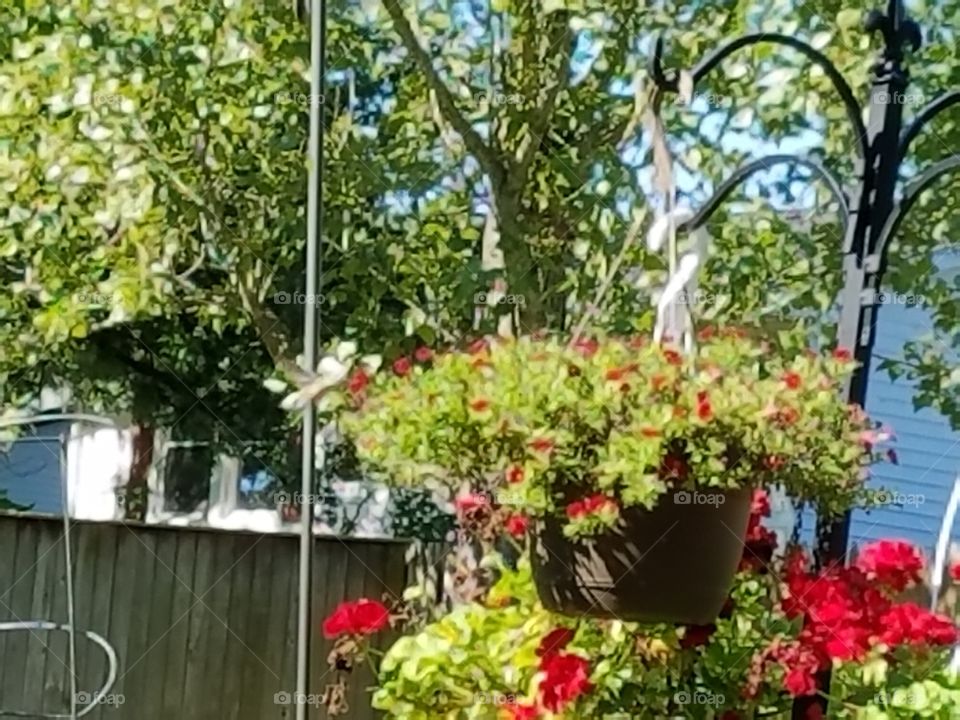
[[135, 498]]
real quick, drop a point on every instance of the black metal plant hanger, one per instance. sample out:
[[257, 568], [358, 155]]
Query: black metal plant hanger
[[870, 215]]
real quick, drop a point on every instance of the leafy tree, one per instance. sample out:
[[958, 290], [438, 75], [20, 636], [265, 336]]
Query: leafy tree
[[152, 166]]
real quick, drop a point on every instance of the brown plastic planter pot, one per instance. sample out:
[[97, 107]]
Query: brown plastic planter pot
[[672, 564]]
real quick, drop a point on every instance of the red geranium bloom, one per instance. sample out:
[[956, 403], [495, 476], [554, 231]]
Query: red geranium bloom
[[649, 432], [955, 572], [614, 374], [517, 525], [542, 445], [362, 617], [555, 641], [423, 354], [479, 404], [892, 563], [911, 624], [842, 354], [576, 509], [792, 380], [658, 381], [523, 712], [357, 382], [760, 503], [514, 474], [799, 682], [402, 366], [566, 677]]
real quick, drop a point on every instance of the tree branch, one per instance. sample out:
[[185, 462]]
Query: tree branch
[[270, 329], [475, 144], [561, 35]]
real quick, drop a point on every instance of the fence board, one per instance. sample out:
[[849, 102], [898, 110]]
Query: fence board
[[203, 621]]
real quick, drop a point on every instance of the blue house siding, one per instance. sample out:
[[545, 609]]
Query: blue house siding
[[928, 449], [30, 469]]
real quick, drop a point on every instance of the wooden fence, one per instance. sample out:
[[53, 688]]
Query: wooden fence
[[203, 622]]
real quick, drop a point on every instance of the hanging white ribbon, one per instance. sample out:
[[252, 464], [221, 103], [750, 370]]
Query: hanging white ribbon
[[674, 319]]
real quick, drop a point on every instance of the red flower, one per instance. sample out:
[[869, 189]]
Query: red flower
[[599, 502], [658, 381], [672, 356], [402, 366], [799, 682], [541, 445], [517, 525], [706, 333], [555, 641], [362, 617], [614, 374], [649, 432], [566, 677], [842, 354], [955, 572], [358, 382], [760, 503], [792, 380], [592, 504], [423, 354], [911, 624], [514, 474], [704, 409], [469, 502], [892, 563], [479, 404], [523, 712]]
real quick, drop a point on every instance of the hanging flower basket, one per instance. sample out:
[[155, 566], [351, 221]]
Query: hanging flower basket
[[674, 563], [631, 462]]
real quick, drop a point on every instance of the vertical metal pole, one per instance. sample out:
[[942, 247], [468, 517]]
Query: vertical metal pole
[[862, 267], [317, 18], [68, 574]]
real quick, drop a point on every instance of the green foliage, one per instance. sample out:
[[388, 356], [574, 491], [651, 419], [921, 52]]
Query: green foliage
[[480, 659], [541, 423]]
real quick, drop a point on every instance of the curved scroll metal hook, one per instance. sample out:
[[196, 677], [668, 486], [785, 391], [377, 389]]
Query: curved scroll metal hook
[[765, 163], [929, 111], [95, 697], [669, 81], [910, 196]]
